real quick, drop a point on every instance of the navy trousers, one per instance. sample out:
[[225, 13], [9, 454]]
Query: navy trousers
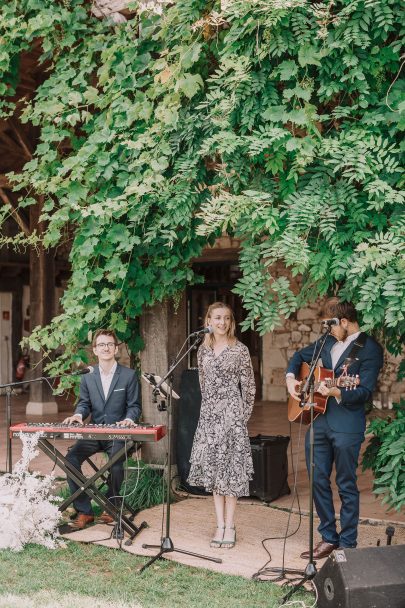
[[341, 449], [77, 454]]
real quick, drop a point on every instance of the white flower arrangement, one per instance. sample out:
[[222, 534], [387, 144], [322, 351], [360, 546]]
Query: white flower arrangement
[[26, 511]]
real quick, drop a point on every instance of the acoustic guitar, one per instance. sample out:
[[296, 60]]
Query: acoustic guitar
[[297, 413]]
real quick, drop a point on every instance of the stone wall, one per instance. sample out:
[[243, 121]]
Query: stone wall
[[300, 330]]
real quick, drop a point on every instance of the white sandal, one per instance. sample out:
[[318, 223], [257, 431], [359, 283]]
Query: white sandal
[[216, 544], [229, 542]]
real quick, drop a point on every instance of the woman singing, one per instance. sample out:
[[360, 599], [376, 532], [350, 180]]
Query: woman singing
[[221, 458]]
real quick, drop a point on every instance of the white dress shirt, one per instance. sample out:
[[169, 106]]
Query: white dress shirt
[[339, 348], [106, 378]]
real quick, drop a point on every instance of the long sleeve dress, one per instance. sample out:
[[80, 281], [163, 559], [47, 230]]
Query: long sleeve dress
[[221, 457]]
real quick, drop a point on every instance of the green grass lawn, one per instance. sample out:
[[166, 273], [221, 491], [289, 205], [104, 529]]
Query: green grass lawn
[[111, 575]]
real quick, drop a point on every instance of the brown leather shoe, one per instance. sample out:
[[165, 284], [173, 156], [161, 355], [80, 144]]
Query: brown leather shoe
[[82, 521], [321, 550], [105, 518]]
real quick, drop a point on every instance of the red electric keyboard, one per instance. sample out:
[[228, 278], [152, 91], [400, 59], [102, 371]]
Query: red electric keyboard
[[101, 432], [130, 435]]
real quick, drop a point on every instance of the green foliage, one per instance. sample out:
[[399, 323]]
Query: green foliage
[[278, 121], [385, 455], [144, 487]]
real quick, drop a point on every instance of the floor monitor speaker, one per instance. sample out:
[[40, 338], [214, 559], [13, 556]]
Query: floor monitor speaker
[[373, 577]]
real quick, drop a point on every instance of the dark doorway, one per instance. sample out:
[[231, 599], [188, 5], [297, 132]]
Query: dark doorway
[[219, 280]]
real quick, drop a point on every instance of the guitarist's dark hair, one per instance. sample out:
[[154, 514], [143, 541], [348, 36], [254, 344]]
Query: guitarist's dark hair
[[334, 307]]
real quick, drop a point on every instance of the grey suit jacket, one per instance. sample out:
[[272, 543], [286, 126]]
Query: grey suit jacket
[[123, 399]]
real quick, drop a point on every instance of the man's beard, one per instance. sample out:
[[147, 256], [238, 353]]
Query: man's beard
[[342, 335]]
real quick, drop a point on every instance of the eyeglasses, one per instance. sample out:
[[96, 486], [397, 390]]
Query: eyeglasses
[[105, 345]]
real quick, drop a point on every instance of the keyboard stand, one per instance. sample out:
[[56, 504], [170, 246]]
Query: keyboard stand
[[104, 480], [88, 486]]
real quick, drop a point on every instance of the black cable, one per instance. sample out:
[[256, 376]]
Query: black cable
[[264, 571], [165, 464], [174, 491], [102, 540], [118, 524]]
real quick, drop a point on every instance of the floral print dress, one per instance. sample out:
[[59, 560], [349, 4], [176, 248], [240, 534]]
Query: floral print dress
[[221, 458]]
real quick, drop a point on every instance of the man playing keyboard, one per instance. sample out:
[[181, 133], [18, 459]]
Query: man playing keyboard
[[110, 395]]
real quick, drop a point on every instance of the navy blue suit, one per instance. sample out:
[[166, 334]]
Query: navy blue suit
[[123, 401], [338, 435]]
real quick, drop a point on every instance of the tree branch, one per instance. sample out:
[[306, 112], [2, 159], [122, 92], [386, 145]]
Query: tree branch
[[23, 141], [20, 221]]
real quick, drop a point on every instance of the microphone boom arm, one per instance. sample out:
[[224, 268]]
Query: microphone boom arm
[[176, 363]]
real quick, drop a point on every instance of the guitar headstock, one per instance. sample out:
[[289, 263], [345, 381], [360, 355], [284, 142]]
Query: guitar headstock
[[350, 382]]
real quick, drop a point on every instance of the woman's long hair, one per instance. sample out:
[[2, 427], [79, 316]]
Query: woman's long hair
[[209, 338]]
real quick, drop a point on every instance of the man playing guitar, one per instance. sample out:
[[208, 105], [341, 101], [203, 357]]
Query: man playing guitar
[[339, 433]]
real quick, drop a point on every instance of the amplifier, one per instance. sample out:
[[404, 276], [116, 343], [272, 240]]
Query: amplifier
[[270, 464]]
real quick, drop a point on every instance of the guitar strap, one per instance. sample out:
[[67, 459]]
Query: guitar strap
[[358, 343]]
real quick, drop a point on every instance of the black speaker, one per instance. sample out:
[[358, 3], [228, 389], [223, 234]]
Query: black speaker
[[188, 413], [373, 577], [270, 464]]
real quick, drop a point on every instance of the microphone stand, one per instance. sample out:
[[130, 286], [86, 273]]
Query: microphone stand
[[9, 389], [166, 545], [310, 569]]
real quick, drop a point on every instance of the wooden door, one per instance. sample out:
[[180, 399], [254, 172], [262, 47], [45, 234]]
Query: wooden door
[[220, 278]]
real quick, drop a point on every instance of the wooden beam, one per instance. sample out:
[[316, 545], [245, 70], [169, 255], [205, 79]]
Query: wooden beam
[[8, 264], [14, 212], [4, 182], [10, 142], [22, 138]]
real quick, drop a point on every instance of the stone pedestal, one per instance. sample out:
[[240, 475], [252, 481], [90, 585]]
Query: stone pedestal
[[41, 408]]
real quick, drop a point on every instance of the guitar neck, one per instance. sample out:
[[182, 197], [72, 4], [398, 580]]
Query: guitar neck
[[330, 382]]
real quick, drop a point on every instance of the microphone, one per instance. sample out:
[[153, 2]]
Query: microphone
[[81, 372], [201, 332], [330, 322]]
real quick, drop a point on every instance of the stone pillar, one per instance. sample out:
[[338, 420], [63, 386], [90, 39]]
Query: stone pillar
[[163, 330], [274, 367], [42, 286], [280, 345]]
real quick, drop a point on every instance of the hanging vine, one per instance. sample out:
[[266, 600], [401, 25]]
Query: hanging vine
[[277, 121]]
